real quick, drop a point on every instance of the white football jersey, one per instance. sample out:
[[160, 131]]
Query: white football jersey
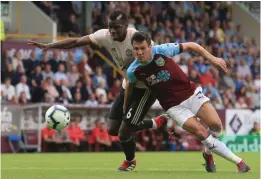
[[121, 52]]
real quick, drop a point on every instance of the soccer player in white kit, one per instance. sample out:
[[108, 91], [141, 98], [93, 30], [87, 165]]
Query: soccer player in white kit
[[122, 122]]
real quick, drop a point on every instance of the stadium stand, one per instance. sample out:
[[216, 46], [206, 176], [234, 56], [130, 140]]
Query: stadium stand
[[81, 78]]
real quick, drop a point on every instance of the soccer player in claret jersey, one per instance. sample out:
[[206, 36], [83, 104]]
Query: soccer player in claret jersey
[[182, 100], [122, 122]]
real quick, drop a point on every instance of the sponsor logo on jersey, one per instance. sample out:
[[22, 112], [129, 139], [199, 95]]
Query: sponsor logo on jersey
[[128, 52], [160, 62], [152, 80]]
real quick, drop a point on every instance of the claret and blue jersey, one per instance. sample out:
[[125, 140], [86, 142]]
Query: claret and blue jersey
[[166, 79]]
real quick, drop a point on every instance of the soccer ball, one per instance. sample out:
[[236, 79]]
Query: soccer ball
[[57, 117]]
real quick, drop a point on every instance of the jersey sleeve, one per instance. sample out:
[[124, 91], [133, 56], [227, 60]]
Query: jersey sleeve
[[168, 49], [130, 73], [99, 36]]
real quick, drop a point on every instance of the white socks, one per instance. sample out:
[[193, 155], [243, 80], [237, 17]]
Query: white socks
[[220, 149], [154, 126], [215, 135]]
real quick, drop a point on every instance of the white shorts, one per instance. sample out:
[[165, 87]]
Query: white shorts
[[188, 108]]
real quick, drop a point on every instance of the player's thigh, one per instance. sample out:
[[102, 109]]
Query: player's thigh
[[179, 114], [200, 106], [209, 116], [139, 104], [116, 114], [193, 126]]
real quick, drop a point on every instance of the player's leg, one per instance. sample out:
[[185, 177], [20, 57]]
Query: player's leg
[[138, 106], [185, 118], [116, 115], [199, 104], [127, 139], [210, 117]]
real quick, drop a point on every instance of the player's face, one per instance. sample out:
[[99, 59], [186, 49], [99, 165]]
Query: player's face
[[142, 51], [117, 30]]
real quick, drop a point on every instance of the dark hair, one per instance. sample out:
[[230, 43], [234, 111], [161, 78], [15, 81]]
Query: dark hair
[[118, 15], [140, 37]]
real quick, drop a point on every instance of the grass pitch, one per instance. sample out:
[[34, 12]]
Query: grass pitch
[[160, 165]]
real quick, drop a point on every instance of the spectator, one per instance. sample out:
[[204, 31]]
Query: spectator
[[22, 99], [227, 81], [47, 71], [37, 75], [48, 139], [60, 75], [255, 130], [23, 87], [8, 90], [75, 134], [114, 91], [52, 92], [243, 68], [77, 98], [92, 100], [207, 78], [99, 77], [200, 66], [101, 93], [73, 76], [62, 141], [17, 61], [241, 104]]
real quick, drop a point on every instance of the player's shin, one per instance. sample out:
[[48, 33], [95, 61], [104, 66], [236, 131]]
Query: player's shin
[[215, 134], [129, 147], [220, 149]]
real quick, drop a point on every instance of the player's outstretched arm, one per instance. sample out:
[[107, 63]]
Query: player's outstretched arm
[[63, 44], [217, 62]]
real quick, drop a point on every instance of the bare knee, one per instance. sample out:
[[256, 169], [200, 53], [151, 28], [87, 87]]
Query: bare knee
[[216, 126], [201, 133]]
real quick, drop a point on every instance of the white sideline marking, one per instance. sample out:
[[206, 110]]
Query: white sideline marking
[[103, 169]]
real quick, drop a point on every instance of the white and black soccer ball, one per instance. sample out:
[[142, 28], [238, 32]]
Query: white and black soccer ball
[[57, 117]]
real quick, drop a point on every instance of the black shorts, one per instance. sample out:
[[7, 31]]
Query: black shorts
[[139, 104]]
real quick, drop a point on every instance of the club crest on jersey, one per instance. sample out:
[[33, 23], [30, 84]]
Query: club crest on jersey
[[128, 52], [160, 62]]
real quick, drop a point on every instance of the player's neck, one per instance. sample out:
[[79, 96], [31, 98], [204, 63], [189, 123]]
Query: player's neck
[[123, 37]]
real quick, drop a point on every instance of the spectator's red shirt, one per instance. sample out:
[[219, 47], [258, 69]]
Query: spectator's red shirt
[[92, 138], [103, 135], [114, 138], [204, 80], [49, 132], [75, 133]]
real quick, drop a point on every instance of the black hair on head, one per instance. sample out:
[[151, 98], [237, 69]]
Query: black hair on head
[[140, 37], [118, 14]]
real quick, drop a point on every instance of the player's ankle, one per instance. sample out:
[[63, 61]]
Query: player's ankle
[[131, 159]]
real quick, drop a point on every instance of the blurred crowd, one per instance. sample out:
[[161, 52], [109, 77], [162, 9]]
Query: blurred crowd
[[81, 79], [73, 138]]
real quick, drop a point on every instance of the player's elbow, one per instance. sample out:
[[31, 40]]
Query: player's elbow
[[190, 46]]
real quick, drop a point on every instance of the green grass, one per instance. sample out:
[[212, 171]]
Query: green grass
[[159, 165]]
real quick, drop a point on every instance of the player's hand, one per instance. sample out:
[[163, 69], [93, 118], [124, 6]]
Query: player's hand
[[37, 44], [219, 63]]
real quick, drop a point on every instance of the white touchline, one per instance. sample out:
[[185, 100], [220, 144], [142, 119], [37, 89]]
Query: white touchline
[[103, 169]]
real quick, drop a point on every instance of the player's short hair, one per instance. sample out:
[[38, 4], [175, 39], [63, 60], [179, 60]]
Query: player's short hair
[[140, 37], [118, 14]]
